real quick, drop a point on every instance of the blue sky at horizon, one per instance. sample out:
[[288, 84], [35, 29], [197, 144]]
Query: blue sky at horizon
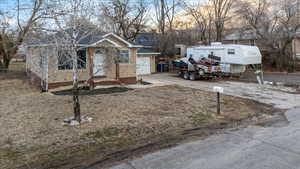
[[10, 7], [6, 4]]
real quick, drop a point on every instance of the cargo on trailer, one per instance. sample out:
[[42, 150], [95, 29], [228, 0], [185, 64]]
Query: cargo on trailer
[[218, 60], [233, 58]]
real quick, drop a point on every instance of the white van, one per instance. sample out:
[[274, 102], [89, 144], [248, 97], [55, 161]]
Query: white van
[[233, 58]]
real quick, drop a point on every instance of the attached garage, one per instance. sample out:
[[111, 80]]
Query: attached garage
[[143, 65], [145, 62]]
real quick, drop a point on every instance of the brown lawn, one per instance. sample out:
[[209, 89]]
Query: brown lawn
[[32, 134]]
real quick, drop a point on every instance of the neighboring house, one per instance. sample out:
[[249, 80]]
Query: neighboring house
[[147, 56], [19, 56], [180, 50], [250, 38], [48, 68], [241, 37]]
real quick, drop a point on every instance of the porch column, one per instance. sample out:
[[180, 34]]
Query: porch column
[[90, 68]]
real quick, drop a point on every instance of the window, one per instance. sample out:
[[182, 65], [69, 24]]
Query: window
[[231, 51], [124, 56], [65, 59], [178, 51], [81, 62]]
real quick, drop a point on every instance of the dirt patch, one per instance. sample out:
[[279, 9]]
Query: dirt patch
[[123, 122]]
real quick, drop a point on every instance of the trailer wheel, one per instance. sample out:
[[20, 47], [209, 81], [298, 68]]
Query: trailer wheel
[[180, 74], [186, 75], [192, 76]]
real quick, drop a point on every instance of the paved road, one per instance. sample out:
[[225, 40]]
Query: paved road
[[250, 148], [280, 97]]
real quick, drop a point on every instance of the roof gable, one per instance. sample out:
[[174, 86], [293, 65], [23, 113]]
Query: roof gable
[[121, 40], [106, 42]]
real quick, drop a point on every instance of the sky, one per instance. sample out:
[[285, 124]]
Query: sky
[[6, 4], [10, 6]]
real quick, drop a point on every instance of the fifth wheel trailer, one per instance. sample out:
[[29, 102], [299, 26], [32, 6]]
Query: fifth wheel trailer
[[217, 60], [233, 58]]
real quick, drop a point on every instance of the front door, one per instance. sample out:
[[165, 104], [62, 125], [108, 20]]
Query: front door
[[98, 62]]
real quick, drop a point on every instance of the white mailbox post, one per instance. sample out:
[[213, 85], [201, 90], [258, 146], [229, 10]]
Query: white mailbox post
[[218, 90]]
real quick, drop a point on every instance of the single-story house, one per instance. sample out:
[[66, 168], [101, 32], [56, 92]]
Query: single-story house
[[47, 65]]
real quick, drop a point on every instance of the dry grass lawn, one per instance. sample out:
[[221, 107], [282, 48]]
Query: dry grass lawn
[[32, 135]]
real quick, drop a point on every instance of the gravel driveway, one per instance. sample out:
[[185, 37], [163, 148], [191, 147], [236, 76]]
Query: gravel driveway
[[278, 96]]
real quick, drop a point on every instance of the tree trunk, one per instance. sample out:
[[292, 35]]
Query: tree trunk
[[219, 33], [5, 63], [76, 103], [162, 26], [117, 71]]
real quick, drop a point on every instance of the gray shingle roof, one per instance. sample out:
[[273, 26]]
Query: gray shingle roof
[[85, 37], [147, 39], [146, 50]]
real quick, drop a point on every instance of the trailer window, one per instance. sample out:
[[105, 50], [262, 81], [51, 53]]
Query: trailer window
[[231, 51], [178, 51]]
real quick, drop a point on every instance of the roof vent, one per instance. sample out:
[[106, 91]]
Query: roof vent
[[216, 43]]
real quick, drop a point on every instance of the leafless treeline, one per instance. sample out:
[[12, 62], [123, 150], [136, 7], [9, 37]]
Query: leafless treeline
[[275, 23]]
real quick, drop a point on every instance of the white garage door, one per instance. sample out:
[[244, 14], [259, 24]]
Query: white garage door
[[143, 65]]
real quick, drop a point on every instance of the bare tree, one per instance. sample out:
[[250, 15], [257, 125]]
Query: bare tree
[[126, 17], [165, 12], [71, 18], [74, 24], [275, 25], [221, 10], [203, 17], [11, 37]]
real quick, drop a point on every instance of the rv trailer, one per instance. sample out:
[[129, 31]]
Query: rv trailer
[[217, 59], [233, 58]]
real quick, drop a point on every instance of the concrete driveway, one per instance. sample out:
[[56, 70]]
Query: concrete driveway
[[279, 96], [250, 148]]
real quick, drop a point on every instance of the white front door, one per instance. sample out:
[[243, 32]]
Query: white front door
[[143, 66], [98, 62]]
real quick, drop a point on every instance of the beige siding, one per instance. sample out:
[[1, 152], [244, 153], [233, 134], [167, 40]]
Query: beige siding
[[126, 70], [56, 75], [153, 64], [33, 60]]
